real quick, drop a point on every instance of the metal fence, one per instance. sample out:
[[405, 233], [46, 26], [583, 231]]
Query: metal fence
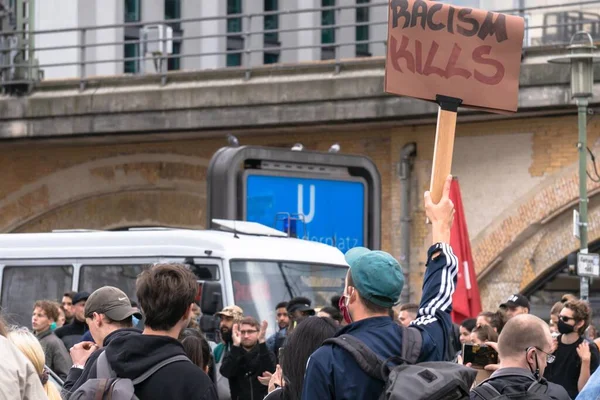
[[245, 38]]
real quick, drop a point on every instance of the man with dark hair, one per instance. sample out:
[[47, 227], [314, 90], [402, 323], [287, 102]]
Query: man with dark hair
[[108, 313], [299, 308], [408, 313], [165, 293], [72, 333], [373, 285], [67, 305], [229, 316], [335, 302], [330, 312], [248, 359], [45, 313], [524, 348], [276, 340], [576, 359]]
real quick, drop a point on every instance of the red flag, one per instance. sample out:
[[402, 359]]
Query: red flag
[[466, 300]]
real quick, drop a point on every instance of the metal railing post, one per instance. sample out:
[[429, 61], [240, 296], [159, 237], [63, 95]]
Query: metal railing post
[[164, 63], [82, 59], [336, 47], [247, 50]]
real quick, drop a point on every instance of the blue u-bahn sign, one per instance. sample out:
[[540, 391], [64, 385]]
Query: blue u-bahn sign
[[330, 211], [337, 197]]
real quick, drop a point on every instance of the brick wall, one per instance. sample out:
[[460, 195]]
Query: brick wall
[[80, 184]]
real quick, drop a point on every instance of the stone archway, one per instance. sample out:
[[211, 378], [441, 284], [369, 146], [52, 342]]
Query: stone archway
[[526, 242], [152, 188], [124, 209]]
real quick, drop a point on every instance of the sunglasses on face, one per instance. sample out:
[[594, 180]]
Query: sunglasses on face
[[564, 318]]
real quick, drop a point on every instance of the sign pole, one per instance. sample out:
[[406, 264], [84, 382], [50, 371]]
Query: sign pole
[[444, 144], [583, 199]]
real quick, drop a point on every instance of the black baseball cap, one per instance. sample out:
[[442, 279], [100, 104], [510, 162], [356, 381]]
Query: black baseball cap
[[80, 296], [300, 304], [516, 300], [112, 302]]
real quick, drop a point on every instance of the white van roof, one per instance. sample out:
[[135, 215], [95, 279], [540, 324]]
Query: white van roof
[[166, 243]]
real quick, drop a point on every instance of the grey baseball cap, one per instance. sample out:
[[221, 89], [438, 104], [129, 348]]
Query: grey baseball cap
[[112, 302]]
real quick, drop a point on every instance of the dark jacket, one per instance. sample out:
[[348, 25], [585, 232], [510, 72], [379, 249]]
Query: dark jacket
[[332, 373], [130, 354], [71, 334], [276, 394], [243, 368], [517, 380], [57, 356], [275, 341]]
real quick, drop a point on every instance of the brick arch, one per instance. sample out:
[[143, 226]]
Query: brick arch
[[112, 176], [128, 208], [532, 236]]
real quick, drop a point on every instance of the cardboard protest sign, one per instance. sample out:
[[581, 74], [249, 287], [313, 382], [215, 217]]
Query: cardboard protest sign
[[439, 49]]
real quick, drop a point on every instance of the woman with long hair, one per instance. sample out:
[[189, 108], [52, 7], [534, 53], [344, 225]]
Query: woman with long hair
[[307, 337], [26, 342]]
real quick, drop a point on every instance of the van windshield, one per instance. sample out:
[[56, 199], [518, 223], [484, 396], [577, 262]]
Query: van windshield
[[259, 285]]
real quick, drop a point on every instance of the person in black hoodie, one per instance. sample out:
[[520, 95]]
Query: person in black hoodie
[[72, 334], [165, 293], [108, 313], [247, 360]]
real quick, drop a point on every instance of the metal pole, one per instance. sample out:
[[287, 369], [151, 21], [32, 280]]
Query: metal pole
[[406, 161], [582, 104]]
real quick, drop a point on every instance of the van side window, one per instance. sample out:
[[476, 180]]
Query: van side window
[[23, 285], [205, 272], [92, 277]]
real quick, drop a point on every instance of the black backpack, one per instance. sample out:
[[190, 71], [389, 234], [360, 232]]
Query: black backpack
[[108, 386], [536, 391], [409, 381]]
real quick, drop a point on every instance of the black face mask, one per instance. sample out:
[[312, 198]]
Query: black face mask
[[565, 328]]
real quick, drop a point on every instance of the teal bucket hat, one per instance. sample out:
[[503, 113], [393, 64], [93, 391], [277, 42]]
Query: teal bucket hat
[[377, 275]]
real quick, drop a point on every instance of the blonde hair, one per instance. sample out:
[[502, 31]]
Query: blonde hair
[[27, 343]]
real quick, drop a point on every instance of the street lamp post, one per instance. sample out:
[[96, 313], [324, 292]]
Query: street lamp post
[[582, 60]]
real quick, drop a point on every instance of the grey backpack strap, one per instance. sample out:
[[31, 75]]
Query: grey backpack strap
[[412, 341], [103, 369], [538, 387], [486, 391], [364, 356], [158, 366]]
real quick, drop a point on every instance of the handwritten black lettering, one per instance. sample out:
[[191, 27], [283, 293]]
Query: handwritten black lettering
[[424, 12], [430, 24], [491, 28], [463, 16], [400, 10], [451, 12], [419, 11]]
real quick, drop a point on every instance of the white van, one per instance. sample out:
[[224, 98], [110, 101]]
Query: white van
[[245, 263]]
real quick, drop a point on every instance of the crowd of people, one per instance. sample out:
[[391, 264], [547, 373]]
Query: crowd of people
[[102, 343]]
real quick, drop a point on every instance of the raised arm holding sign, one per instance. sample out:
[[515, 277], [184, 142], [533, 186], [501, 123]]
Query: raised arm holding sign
[[453, 56]]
